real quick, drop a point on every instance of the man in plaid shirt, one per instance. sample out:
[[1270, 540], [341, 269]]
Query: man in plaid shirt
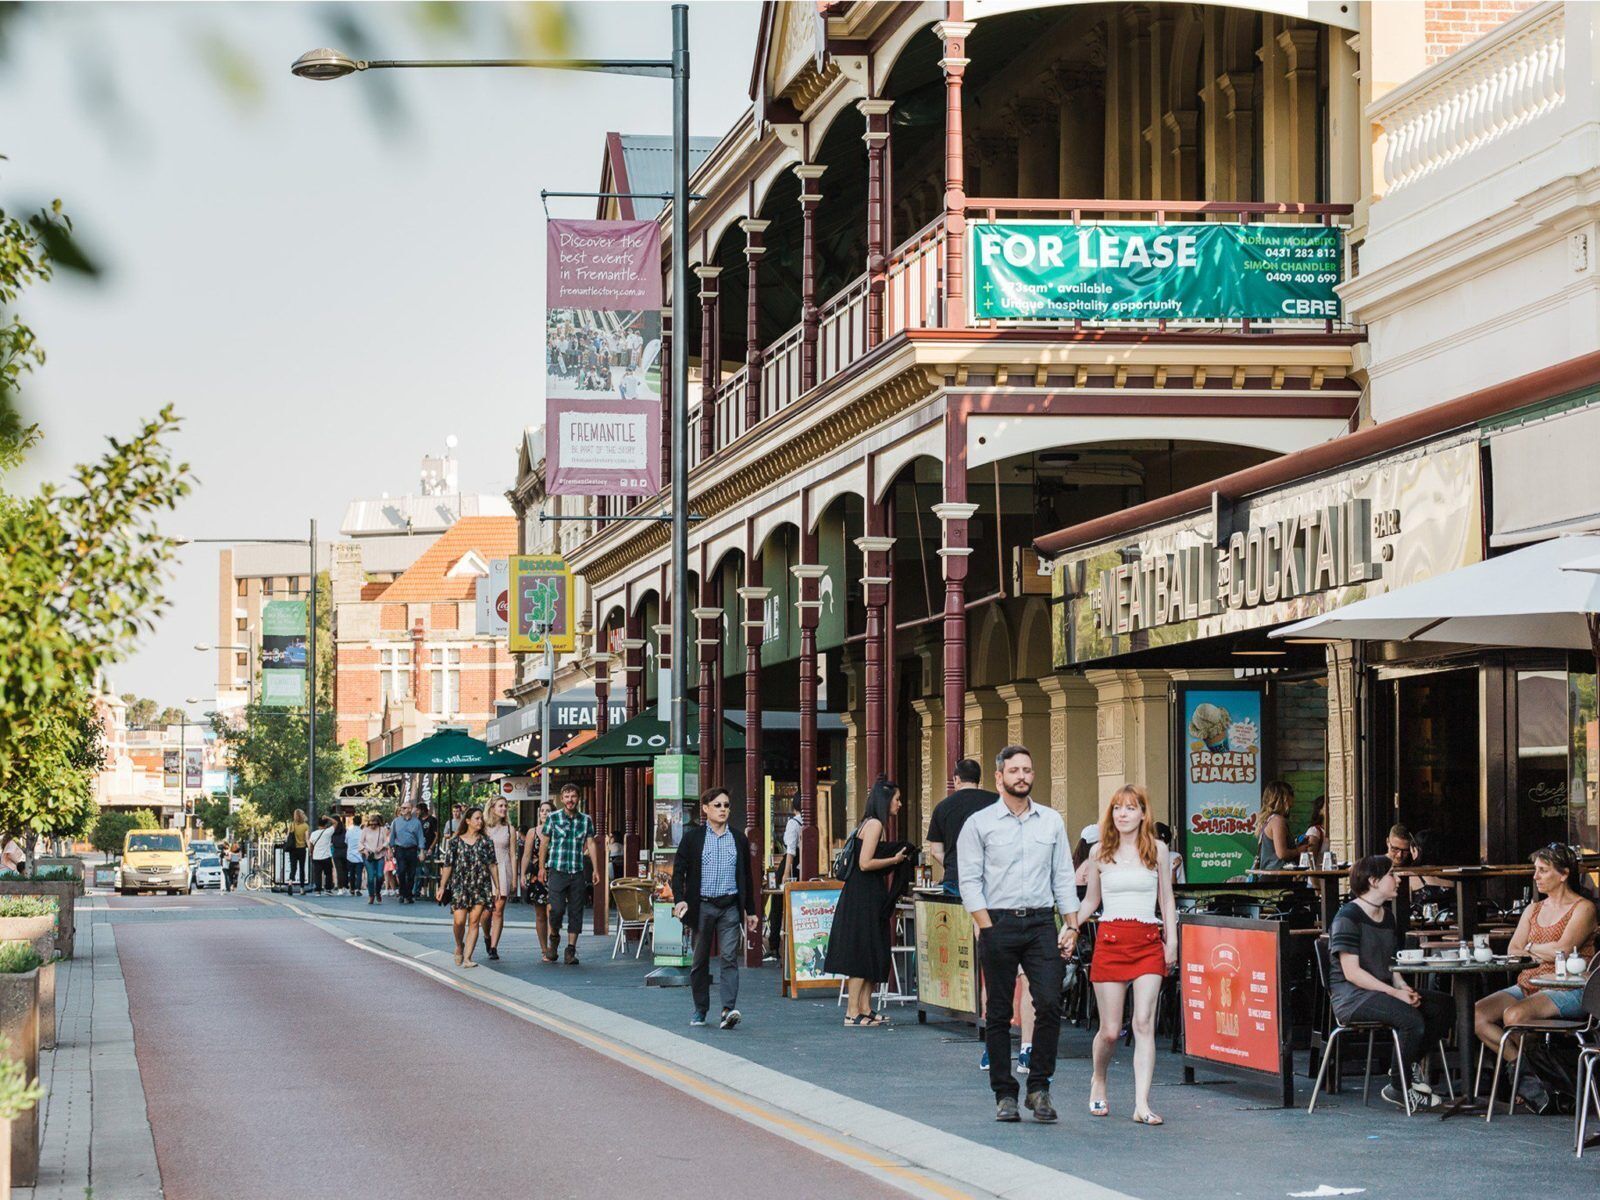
[[568, 837]]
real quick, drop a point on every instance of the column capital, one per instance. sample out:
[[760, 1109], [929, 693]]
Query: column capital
[[754, 593], [951, 510], [875, 545], [1300, 46], [705, 272], [874, 108], [805, 571], [706, 614], [953, 66], [632, 643], [952, 29], [753, 227], [809, 171], [660, 630]]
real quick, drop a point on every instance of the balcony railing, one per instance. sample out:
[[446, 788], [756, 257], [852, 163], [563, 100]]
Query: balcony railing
[[1478, 95], [914, 298]]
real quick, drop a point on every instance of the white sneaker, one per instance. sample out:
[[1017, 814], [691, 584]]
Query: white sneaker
[[1419, 1079], [1419, 1100]]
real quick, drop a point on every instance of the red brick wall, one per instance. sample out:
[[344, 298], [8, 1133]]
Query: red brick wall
[[1448, 25]]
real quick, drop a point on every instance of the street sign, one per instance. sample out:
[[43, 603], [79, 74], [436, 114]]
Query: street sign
[[677, 776], [541, 596]]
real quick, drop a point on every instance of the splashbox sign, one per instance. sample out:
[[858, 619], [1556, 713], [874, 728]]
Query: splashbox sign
[[1206, 271], [541, 604], [603, 358]]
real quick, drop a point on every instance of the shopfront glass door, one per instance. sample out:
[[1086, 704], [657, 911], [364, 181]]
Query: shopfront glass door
[[1433, 763], [1542, 735]]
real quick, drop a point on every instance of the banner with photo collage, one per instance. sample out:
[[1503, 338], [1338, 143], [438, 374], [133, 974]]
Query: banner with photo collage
[[603, 358], [284, 628]]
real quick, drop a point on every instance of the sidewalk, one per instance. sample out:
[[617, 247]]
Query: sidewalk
[[95, 1129], [927, 1074]]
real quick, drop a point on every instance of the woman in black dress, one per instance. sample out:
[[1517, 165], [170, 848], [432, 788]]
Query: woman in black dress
[[858, 945]]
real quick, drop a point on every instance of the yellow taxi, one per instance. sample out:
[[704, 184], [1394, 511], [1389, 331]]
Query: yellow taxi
[[154, 860]]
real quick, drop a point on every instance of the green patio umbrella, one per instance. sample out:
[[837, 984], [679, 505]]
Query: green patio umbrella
[[636, 743], [449, 752]]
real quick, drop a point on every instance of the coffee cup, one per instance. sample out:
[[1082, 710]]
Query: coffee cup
[[1482, 953], [1411, 956]]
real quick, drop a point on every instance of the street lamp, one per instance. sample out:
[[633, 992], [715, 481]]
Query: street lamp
[[249, 663], [324, 64]]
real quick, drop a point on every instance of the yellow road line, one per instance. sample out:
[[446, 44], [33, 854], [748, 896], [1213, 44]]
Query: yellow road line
[[649, 1064]]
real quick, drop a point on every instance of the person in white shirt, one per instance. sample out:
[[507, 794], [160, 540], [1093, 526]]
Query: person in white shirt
[[322, 856], [1016, 875], [791, 848], [352, 855]]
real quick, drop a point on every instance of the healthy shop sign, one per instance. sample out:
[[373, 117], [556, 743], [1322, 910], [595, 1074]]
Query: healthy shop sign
[[1059, 271]]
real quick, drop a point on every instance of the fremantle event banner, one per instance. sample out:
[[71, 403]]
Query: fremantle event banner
[[283, 653], [1058, 271], [603, 358], [1219, 780]]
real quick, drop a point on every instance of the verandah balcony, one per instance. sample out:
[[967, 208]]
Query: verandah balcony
[[915, 298]]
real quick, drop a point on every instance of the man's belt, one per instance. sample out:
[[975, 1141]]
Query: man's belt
[[1022, 912]]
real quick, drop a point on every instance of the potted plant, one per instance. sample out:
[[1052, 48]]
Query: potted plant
[[18, 1094], [30, 919], [55, 881], [19, 1027]]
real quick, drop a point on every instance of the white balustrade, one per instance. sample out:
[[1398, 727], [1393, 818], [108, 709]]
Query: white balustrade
[[1478, 95]]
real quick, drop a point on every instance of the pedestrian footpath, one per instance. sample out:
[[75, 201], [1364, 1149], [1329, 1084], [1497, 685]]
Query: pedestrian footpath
[[96, 1133]]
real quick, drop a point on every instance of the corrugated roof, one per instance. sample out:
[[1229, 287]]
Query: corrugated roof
[[383, 554], [417, 514], [429, 578], [647, 162]]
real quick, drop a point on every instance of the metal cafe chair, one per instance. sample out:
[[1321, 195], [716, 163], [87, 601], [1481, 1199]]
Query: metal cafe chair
[[635, 914], [1588, 1057], [1371, 1029], [1546, 1027]]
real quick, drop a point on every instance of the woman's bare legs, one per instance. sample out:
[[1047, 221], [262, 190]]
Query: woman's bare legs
[[1108, 998], [1146, 991], [541, 922], [458, 921], [474, 920]]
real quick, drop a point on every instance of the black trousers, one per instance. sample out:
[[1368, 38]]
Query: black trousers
[[322, 874], [1418, 1027], [568, 890], [297, 864], [405, 869], [1028, 942]]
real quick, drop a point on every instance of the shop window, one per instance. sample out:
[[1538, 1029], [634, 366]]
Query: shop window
[[1300, 744], [1431, 762], [1583, 792], [1543, 734]]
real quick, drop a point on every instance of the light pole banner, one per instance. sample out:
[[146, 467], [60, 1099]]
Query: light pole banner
[[603, 358], [541, 595], [283, 653], [1059, 271]]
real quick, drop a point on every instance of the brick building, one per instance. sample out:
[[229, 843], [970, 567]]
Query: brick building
[[408, 657]]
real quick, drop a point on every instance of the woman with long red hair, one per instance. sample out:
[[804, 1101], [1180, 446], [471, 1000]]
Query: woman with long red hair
[[1130, 879]]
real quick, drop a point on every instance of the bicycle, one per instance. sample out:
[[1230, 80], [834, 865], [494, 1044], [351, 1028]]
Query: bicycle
[[257, 877]]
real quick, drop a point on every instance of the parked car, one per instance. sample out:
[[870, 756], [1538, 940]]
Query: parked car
[[208, 872], [200, 848], [154, 860]]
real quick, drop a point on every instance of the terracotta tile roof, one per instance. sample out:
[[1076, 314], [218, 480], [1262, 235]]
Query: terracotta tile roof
[[429, 579], [371, 591]]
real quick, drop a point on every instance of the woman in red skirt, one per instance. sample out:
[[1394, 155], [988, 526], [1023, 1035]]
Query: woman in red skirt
[[1130, 881]]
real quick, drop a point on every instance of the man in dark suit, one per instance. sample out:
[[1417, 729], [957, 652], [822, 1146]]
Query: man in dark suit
[[712, 886]]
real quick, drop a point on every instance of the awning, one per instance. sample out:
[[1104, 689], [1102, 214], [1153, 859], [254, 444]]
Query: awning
[[448, 752], [573, 744], [1545, 483], [1526, 598], [636, 743]]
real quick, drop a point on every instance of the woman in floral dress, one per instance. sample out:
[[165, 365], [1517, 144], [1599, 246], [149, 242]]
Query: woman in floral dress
[[470, 879]]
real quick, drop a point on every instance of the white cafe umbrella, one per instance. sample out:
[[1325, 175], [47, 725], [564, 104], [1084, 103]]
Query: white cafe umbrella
[[1544, 595]]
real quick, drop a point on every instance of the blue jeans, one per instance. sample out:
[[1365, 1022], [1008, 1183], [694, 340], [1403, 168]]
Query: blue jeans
[[374, 877]]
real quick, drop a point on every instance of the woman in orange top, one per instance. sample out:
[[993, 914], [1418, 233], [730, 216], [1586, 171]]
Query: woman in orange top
[[1560, 921]]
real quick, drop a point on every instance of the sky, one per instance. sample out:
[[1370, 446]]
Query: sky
[[324, 284]]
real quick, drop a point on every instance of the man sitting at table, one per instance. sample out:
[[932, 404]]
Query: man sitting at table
[[1364, 986]]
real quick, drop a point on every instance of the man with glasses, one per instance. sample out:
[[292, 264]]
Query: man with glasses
[[711, 882]]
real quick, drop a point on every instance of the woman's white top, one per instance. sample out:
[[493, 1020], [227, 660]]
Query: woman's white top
[[1128, 893]]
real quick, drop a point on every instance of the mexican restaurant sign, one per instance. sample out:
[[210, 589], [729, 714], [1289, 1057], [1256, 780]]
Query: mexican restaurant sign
[[1206, 271]]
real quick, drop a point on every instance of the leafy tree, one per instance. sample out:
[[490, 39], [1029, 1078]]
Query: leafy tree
[[113, 825], [170, 716], [267, 754], [212, 813], [250, 824], [141, 712], [50, 793]]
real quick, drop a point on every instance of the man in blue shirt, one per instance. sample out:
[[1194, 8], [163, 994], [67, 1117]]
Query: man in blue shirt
[[407, 837], [711, 883]]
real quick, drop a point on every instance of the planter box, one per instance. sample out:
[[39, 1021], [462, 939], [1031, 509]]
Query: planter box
[[47, 1011], [39, 932], [19, 1024], [75, 865], [66, 892]]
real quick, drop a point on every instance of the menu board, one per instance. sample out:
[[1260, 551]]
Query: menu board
[[1231, 989], [808, 910], [1217, 760], [947, 975]]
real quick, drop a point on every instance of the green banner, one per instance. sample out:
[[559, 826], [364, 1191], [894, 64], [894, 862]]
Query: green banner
[[1058, 271], [284, 626]]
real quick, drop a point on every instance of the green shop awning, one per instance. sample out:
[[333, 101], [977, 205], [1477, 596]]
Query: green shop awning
[[449, 752], [636, 743]]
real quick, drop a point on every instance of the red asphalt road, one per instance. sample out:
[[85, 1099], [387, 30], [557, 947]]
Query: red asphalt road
[[279, 1062]]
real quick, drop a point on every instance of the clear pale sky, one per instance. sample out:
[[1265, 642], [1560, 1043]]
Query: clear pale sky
[[324, 287]]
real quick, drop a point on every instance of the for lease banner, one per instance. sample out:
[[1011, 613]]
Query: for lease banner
[[1059, 271], [1219, 776], [603, 358]]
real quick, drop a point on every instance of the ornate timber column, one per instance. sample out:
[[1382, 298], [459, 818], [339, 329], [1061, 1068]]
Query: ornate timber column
[[753, 250], [810, 315], [710, 359], [954, 513], [808, 573], [707, 644], [633, 779], [754, 598], [877, 139], [875, 553], [954, 64]]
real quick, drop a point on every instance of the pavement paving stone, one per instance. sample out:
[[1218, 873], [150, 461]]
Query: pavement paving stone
[[1224, 1138]]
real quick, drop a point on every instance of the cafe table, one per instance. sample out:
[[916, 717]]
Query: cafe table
[[1560, 982], [1467, 979], [1327, 883]]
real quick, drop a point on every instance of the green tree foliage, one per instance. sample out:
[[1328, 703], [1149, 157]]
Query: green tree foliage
[[50, 791], [267, 755], [141, 711], [113, 825], [212, 813], [170, 715]]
